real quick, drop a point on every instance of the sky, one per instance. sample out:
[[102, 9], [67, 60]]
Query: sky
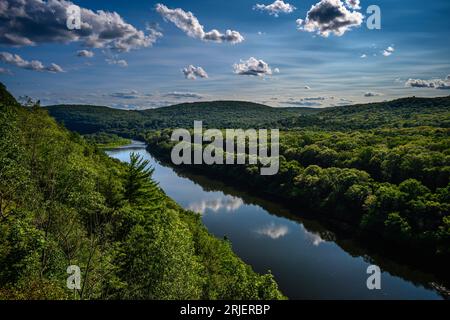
[[295, 53]]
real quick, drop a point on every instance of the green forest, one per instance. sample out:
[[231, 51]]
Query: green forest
[[388, 184], [383, 169], [64, 202], [380, 171]]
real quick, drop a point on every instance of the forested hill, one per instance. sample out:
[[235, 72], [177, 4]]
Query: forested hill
[[407, 112], [64, 202], [400, 113], [217, 114]]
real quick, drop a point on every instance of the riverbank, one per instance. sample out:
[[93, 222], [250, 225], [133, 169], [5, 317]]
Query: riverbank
[[405, 253], [308, 259]]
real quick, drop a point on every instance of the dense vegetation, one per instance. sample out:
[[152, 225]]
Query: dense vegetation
[[219, 114], [382, 169], [106, 140], [391, 183], [401, 113], [64, 202]]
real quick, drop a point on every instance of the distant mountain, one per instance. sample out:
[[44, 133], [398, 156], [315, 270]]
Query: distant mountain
[[216, 114], [406, 112]]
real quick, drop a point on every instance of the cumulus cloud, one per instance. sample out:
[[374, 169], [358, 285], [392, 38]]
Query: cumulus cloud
[[330, 16], [35, 65], [274, 9], [31, 22], [353, 4], [187, 22], [85, 53], [191, 72], [363, 56], [371, 94], [183, 95], [388, 51], [433, 83], [252, 67]]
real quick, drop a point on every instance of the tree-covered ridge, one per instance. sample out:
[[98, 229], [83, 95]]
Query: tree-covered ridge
[[390, 184], [64, 202], [217, 114], [401, 113]]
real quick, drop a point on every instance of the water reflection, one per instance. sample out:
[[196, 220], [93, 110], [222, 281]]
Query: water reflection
[[308, 260], [273, 231], [227, 203], [314, 238]]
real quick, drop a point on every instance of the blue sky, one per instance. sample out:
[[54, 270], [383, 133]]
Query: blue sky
[[313, 70]]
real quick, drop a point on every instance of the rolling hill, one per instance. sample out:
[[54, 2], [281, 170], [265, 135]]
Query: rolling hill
[[216, 114], [406, 112]]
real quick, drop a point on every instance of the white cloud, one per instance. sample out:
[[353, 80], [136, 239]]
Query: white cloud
[[330, 16], [274, 9], [191, 72], [35, 65], [252, 67], [183, 95], [85, 53], [433, 83], [388, 51], [53, 67], [187, 22], [31, 22], [119, 62], [353, 4], [363, 56]]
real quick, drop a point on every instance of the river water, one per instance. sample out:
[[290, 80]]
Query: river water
[[308, 260]]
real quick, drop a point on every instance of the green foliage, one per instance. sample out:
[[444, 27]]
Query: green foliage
[[138, 184], [106, 140], [157, 260], [401, 113], [388, 182], [64, 202], [217, 114]]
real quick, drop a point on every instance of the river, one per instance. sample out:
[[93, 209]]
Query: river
[[308, 260]]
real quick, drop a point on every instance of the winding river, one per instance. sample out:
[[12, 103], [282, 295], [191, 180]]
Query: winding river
[[308, 260]]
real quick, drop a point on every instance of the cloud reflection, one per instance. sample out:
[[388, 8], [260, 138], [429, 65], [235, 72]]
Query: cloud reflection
[[315, 238], [228, 204], [273, 231]]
